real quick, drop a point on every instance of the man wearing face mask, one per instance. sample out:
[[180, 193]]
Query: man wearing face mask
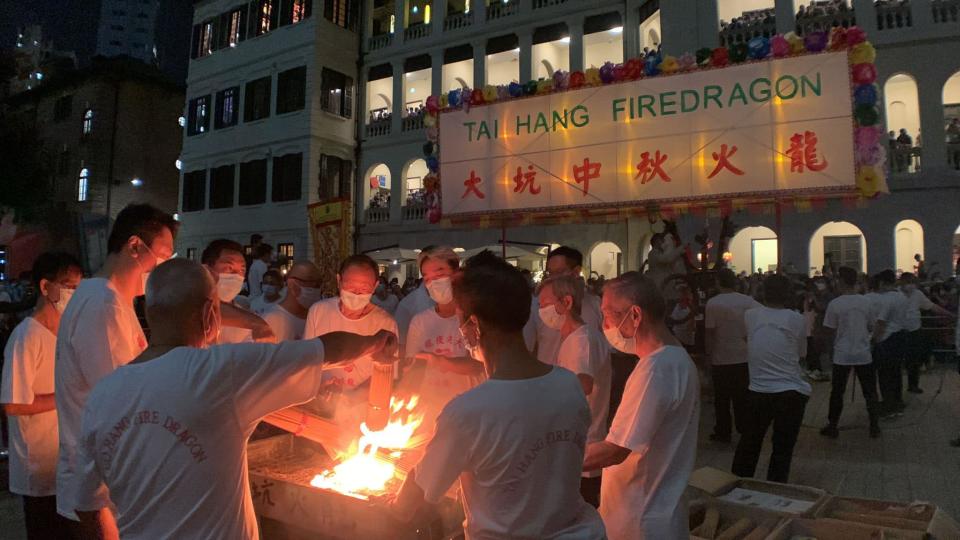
[[351, 312], [99, 330], [515, 442], [224, 259], [272, 283], [434, 335], [565, 261], [289, 318], [28, 398], [167, 434], [583, 351], [651, 447]]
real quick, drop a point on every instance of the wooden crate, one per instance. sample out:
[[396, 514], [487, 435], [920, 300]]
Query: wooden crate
[[916, 516]]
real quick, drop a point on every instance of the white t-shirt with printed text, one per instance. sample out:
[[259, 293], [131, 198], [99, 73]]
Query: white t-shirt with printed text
[[724, 312], [28, 362], [429, 332], [517, 448], [98, 333], [325, 317], [657, 420], [169, 436], [852, 316]]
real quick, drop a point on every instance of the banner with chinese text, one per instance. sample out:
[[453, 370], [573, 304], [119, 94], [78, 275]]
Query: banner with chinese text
[[762, 128], [330, 229]]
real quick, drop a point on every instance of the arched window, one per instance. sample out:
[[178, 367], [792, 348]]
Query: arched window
[[908, 242], [87, 121], [903, 121], [753, 249], [836, 244], [951, 117], [83, 182]]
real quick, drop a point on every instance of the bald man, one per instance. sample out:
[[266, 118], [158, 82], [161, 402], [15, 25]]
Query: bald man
[[166, 434], [288, 318]]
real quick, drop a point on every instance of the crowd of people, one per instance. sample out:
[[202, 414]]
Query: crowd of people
[[135, 425]]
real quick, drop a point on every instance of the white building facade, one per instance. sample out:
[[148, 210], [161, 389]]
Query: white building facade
[[128, 27], [414, 48], [269, 122]]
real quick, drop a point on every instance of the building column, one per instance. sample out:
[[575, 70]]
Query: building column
[[679, 25], [631, 32], [438, 15], [922, 14], [400, 20], [396, 121], [881, 245], [478, 10], [866, 15], [396, 192], [575, 47], [786, 16], [436, 72], [933, 142], [708, 19], [526, 57], [479, 63]]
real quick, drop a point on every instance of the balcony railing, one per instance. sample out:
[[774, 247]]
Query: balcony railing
[[379, 42], [823, 22], [378, 128], [416, 211], [416, 32], [905, 160], [945, 11], [538, 4], [413, 122], [893, 16], [743, 33], [457, 21], [377, 215], [499, 11]]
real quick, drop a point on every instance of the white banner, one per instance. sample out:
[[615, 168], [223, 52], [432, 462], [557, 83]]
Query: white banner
[[759, 128]]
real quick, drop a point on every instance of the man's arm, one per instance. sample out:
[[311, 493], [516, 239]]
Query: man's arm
[[235, 317], [463, 365], [408, 500], [41, 404], [99, 524], [603, 454]]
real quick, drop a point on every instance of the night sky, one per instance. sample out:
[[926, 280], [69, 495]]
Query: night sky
[[72, 25]]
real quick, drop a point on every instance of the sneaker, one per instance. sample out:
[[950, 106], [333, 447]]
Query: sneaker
[[874, 432], [915, 390], [830, 431], [719, 438]]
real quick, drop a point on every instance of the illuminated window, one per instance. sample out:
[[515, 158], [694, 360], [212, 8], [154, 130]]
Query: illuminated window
[[265, 17], [336, 93], [83, 184], [340, 13], [234, 29], [227, 102], [206, 38], [294, 11], [87, 121], [285, 256], [199, 115]]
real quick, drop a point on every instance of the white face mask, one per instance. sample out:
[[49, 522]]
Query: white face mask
[[146, 275], [309, 296], [269, 290], [619, 341], [441, 290], [353, 301], [474, 349], [65, 295], [229, 286], [550, 317]]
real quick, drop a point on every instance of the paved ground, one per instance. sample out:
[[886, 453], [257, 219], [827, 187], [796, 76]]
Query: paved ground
[[912, 460]]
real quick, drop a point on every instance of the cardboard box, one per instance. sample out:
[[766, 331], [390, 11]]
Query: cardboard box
[[916, 516], [785, 500], [833, 529], [730, 514]]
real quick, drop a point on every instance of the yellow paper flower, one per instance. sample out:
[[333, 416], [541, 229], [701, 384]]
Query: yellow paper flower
[[669, 64], [593, 77], [870, 181], [429, 120], [545, 86], [863, 53], [489, 93], [796, 43], [444, 101]]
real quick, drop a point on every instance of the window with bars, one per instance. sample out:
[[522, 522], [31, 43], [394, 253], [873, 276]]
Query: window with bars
[[287, 177], [336, 175], [256, 103], [294, 11], [228, 101], [194, 191], [83, 185], [206, 38], [87, 121], [336, 93], [285, 255], [221, 187], [231, 28], [291, 89], [198, 115], [340, 13], [843, 250], [253, 182], [264, 15]]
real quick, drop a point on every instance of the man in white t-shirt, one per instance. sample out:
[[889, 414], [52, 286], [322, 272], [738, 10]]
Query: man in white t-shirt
[[99, 331], [850, 317], [270, 292], [726, 343], [258, 267], [385, 298], [914, 347], [565, 261], [224, 259], [28, 398], [288, 319], [585, 353], [415, 302], [351, 312], [651, 447], [167, 433], [890, 338], [516, 441], [778, 393]]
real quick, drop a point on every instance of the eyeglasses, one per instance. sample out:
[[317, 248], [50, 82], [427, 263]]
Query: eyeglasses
[[305, 282]]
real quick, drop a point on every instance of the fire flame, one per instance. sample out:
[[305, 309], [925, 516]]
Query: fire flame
[[365, 471]]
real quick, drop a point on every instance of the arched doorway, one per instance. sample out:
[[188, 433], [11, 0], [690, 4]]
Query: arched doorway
[[377, 187], [902, 107], [951, 118], [838, 243], [413, 174], [753, 249], [605, 259], [908, 241]]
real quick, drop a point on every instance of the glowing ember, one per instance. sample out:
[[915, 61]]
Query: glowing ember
[[363, 471]]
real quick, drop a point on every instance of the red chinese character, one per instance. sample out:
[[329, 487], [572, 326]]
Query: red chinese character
[[648, 168], [428, 344], [723, 161], [523, 180], [439, 340], [803, 153], [471, 185], [583, 175]]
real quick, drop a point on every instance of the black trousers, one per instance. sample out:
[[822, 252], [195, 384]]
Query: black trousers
[[590, 490], [888, 356], [43, 522], [913, 355], [730, 385], [867, 375], [785, 411]]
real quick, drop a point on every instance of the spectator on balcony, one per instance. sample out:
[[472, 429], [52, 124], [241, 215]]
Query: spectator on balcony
[[953, 143]]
